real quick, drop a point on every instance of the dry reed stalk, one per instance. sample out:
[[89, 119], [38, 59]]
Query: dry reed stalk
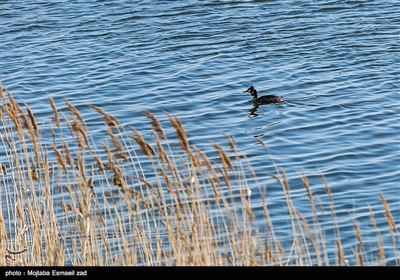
[[295, 214], [3, 169], [114, 140], [101, 166], [111, 166], [379, 245], [162, 155], [56, 118], [108, 119], [67, 154], [9, 141], [342, 259], [311, 238], [75, 114], [80, 133], [25, 122], [79, 126], [59, 158], [167, 181], [181, 179], [204, 159], [157, 128], [359, 254], [81, 167], [32, 132], [268, 228], [231, 142], [388, 214], [225, 176], [145, 147], [32, 119], [223, 156], [117, 145], [12, 109], [270, 156], [392, 226], [180, 132], [334, 221], [2, 93], [247, 207], [318, 237], [69, 125]]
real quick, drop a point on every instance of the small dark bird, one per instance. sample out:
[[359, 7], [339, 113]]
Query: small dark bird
[[265, 99]]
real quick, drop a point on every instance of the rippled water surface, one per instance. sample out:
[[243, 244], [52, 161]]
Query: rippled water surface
[[335, 62]]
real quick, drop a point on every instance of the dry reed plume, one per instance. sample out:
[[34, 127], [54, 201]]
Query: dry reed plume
[[68, 199]]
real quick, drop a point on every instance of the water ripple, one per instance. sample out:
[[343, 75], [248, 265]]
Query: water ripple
[[336, 60]]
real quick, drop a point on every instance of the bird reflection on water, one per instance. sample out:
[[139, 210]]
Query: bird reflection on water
[[253, 110]]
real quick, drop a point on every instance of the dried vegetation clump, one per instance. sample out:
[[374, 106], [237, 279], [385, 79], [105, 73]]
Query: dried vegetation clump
[[70, 199]]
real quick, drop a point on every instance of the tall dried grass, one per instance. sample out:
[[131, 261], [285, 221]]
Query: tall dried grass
[[69, 200]]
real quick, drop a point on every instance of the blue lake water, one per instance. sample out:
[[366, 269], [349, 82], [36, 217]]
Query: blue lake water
[[337, 63]]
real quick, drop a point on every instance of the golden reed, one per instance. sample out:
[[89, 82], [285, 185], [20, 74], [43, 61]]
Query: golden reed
[[72, 200]]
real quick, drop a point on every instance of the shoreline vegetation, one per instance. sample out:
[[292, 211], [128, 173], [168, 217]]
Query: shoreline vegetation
[[68, 199]]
